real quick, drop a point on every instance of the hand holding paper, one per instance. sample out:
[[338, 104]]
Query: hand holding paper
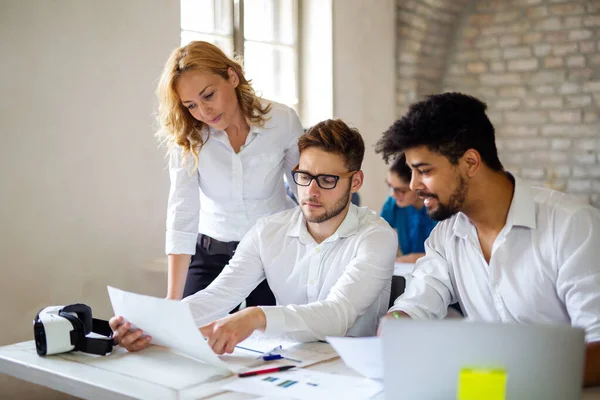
[[168, 322]]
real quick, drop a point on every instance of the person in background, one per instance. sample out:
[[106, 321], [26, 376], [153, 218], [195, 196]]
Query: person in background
[[506, 251], [328, 261], [228, 152], [404, 211]]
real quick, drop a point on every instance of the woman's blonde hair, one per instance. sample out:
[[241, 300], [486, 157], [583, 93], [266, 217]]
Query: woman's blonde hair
[[178, 127]]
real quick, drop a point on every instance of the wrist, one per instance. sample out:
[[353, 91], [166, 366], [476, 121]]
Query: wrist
[[259, 317], [173, 294], [397, 315]]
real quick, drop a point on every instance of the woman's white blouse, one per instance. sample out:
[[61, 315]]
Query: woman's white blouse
[[229, 192]]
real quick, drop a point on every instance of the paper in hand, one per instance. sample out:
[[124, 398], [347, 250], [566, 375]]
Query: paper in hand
[[169, 322]]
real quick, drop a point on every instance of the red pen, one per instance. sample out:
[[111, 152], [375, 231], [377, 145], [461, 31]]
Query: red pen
[[266, 371]]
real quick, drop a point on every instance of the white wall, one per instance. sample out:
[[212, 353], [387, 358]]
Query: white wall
[[364, 80], [83, 184]]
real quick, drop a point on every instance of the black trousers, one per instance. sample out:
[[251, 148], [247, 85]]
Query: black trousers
[[208, 262]]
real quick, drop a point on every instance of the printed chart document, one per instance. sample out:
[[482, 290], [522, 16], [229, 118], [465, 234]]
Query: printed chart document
[[364, 354], [169, 322], [306, 384]]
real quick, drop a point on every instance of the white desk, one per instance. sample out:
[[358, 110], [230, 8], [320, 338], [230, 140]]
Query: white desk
[[79, 379]]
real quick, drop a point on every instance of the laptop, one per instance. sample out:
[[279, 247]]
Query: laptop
[[428, 359]]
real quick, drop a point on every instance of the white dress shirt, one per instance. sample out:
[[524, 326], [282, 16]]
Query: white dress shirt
[[338, 287], [229, 191], [544, 267]]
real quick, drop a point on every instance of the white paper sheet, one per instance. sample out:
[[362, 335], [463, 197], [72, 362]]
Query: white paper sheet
[[294, 353], [169, 322], [403, 269], [364, 355], [306, 384]]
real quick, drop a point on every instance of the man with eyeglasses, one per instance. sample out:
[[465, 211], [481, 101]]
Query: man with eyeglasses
[[328, 262]]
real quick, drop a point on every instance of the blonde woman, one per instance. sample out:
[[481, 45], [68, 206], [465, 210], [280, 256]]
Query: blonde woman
[[228, 152]]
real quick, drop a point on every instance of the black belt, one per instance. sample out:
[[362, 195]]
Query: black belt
[[213, 246]]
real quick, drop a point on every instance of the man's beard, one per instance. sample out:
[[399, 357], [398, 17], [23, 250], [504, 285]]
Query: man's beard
[[335, 210], [455, 202]]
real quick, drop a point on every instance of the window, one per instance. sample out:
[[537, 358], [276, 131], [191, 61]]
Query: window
[[263, 32]]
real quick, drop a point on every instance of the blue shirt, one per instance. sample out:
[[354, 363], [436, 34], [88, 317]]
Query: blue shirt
[[413, 226]]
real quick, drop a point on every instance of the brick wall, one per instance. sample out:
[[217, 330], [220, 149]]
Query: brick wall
[[425, 34], [536, 63]]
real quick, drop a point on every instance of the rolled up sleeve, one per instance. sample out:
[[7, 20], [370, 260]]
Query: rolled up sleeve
[[292, 154], [430, 291], [183, 208], [578, 280]]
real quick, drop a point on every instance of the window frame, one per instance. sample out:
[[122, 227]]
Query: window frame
[[239, 40]]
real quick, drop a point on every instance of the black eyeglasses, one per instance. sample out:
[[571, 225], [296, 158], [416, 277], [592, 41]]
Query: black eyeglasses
[[325, 181], [397, 191]]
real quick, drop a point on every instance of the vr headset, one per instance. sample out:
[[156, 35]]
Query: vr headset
[[60, 329]]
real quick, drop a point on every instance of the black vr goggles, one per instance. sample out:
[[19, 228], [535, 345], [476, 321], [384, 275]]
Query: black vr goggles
[[60, 329]]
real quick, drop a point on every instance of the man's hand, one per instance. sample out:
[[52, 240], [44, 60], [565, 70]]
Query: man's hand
[[131, 340], [224, 334], [391, 315]]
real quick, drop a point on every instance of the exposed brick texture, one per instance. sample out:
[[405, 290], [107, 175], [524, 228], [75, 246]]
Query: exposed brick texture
[[536, 63]]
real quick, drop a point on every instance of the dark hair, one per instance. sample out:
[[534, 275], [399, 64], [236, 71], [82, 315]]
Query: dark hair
[[400, 168], [449, 124], [334, 136]]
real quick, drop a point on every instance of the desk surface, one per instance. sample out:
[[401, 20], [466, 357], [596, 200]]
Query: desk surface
[[66, 374]]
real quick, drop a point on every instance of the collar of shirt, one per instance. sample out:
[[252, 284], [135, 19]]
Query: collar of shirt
[[520, 213], [221, 136], [348, 227]]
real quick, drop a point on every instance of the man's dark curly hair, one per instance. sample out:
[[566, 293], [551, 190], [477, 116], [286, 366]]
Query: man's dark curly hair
[[447, 123]]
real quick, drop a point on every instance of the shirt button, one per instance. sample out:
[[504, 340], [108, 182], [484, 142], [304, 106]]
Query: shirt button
[[317, 249], [311, 282]]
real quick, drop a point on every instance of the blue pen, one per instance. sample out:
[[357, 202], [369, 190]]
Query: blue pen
[[272, 357], [269, 355]]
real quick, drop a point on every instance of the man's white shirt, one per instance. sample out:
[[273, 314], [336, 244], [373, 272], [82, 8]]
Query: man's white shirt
[[229, 191], [544, 267], [338, 287]]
